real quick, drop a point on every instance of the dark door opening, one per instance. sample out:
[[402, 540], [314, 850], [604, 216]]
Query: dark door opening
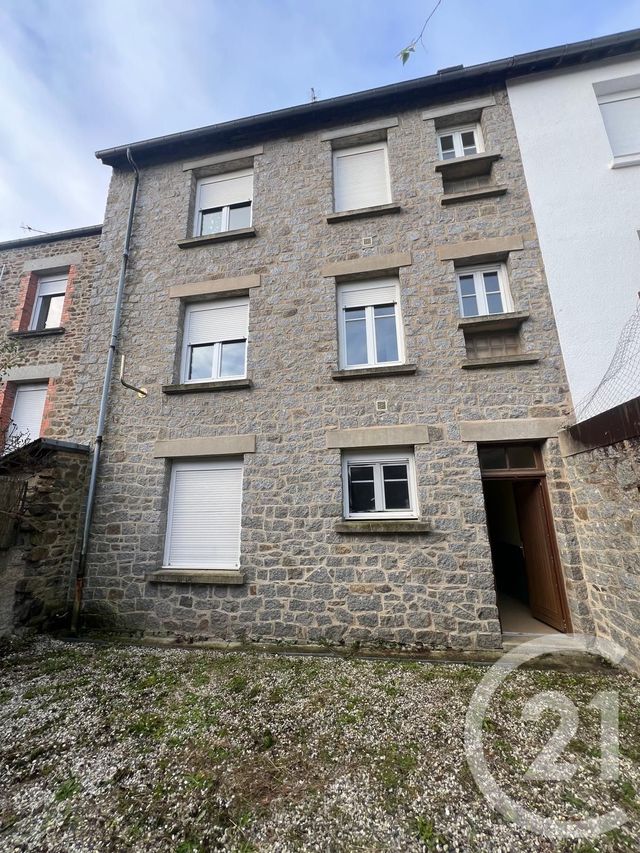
[[526, 564]]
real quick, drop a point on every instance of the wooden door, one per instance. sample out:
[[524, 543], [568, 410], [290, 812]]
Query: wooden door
[[546, 592]]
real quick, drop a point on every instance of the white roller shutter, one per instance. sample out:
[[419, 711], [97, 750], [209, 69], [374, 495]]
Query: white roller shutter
[[203, 529], [383, 291], [361, 177], [52, 285], [621, 115], [231, 188], [213, 322], [28, 409]]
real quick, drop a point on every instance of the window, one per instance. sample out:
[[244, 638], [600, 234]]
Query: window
[[483, 290], [506, 458], [380, 484], [215, 340], [460, 142], [47, 309], [361, 177], [223, 203], [203, 524], [492, 344], [28, 409], [370, 326], [620, 108]]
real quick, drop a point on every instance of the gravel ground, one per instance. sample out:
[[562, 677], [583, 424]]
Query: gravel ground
[[118, 748]]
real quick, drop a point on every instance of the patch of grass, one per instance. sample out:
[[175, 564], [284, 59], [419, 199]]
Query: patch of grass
[[5, 696], [426, 832], [148, 724], [67, 790], [237, 684]]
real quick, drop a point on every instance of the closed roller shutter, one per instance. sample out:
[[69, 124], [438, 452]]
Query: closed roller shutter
[[360, 177], [28, 409], [203, 528]]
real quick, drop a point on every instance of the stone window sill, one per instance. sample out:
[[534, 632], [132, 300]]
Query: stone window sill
[[199, 387], [472, 195], [213, 577], [501, 360], [373, 372], [388, 527], [222, 237], [33, 333], [493, 322], [467, 167], [363, 212]]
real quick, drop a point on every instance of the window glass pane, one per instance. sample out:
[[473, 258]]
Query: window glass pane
[[491, 282], [494, 303], [492, 457], [54, 315], [211, 222], [467, 287], [521, 456], [469, 306], [361, 489], [396, 487], [361, 473], [356, 336], [386, 335], [396, 494], [394, 472], [232, 360], [201, 362], [43, 313], [447, 147], [469, 142], [240, 216]]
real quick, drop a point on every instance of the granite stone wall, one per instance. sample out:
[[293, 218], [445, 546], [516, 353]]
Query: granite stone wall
[[605, 483], [36, 573], [304, 581]]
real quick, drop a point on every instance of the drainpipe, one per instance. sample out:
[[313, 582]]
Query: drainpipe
[[104, 405]]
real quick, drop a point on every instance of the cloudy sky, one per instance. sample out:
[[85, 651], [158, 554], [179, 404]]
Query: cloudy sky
[[79, 75]]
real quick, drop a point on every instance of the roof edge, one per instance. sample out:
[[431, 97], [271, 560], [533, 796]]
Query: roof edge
[[442, 83], [54, 237]]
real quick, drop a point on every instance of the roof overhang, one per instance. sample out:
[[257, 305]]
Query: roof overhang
[[422, 91]]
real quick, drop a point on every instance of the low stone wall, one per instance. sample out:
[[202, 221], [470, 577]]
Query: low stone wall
[[605, 482], [37, 570]]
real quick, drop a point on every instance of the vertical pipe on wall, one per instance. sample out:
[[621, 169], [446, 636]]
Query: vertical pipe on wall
[[104, 406]]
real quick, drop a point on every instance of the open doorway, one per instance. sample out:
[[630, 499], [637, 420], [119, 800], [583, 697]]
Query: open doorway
[[529, 585]]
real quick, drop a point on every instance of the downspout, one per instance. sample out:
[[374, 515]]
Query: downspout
[[104, 406]]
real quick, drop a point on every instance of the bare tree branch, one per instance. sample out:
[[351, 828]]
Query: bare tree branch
[[406, 52]]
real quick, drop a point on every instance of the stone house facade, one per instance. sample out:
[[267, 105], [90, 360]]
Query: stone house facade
[[332, 490], [46, 291]]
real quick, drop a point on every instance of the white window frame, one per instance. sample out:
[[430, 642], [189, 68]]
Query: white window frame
[[481, 297], [217, 345], [362, 149], [620, 95], [225, 176], [217, 464], [37, 302], [378, 459], [457, 132], [21, 389], [370, 325]]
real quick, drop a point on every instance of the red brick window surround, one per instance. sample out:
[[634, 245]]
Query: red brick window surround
[[27, 299], [7, 401]]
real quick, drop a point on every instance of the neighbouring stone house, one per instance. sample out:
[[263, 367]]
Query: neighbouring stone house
[[355, 385], [45, 288]]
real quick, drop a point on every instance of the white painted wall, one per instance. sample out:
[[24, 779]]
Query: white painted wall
[[587, 215]]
